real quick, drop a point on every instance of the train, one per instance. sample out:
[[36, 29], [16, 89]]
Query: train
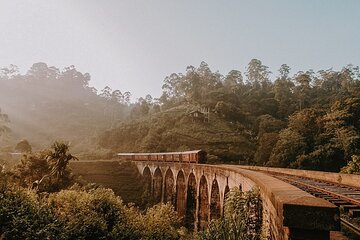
[[195, 156]]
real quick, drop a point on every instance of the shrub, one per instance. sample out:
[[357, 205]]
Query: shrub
[[24, 216], [353, 166]]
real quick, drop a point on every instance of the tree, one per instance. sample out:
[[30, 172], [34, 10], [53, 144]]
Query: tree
[[353, 166], [9, 72], [47, 170], [40, 73], [289, 145], [24, 215], [33, 168], [171, 85], [316, 140], [268, 129], [303, 89], [140, 109], [298, 139], [284, 71], [343, 126], [23, 146], [77, 80], [192, 85], [283, 92], [257, 74], [161, 222], [233, 81], [267, 142], [59, 159], [106, 93]]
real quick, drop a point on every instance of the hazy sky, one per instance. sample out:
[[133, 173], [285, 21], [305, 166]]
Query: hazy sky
[[132, 45]]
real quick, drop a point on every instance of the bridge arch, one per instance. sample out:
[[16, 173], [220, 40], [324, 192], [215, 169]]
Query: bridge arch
[[203, 215], [215, 205], [277, 202], [180, 204], [169, 187], [190, 202], [157, 185]]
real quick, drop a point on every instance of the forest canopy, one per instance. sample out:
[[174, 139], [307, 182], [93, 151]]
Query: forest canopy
[[307, 120]]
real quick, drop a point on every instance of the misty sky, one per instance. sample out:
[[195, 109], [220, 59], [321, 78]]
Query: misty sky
[[132, 45]]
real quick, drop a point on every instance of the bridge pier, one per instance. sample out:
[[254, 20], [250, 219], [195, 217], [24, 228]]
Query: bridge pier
[[191, 203], [204, 208], [180, 203], [169, 193], [215, 202], [158, 186]]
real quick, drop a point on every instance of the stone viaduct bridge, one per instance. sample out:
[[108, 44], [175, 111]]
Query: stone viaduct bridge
[[198, 192]]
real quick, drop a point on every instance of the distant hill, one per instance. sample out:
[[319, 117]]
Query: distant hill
[[176, 130], [308, 120]]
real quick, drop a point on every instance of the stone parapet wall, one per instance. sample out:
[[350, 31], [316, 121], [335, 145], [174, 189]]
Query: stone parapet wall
[[347, 179], [289, 211]]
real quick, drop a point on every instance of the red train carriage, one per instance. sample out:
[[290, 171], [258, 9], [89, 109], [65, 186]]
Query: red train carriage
[[196, 156]]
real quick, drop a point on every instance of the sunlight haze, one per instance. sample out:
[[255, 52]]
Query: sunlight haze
[[134, 45]]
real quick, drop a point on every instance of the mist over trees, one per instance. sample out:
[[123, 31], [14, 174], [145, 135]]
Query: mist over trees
[[304, 120], [308, 120], [47, 103]]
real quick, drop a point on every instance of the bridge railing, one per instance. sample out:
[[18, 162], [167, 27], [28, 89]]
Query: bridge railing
[[347, 179]]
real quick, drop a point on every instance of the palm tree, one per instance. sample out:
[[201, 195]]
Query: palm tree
[[59, 159]]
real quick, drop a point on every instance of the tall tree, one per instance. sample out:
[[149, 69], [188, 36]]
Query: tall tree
[[303, 89], [284, 71], [59, 159], [233, 81], [257, 74], [283, 92]]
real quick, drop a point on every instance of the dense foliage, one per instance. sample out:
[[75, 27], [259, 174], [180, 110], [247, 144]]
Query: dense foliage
[[353, 166], [45, 171], [53, 210], [81, 214], [242, 218], [308, 120]]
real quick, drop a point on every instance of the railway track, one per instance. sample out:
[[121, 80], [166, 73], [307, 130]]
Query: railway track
[[347, 198]]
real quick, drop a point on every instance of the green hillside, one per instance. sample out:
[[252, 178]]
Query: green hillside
[[176, 130]]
